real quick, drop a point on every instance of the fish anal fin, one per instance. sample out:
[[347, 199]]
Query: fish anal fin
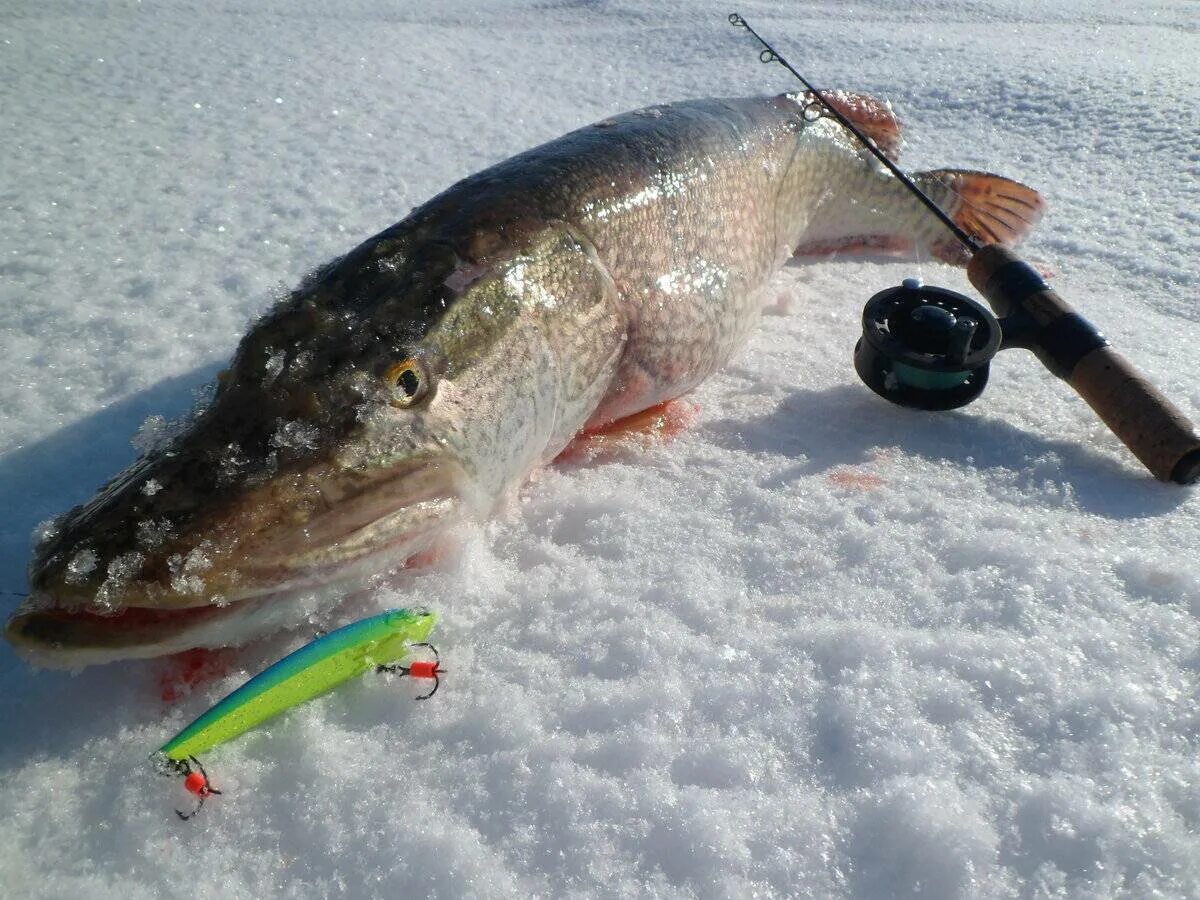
[[870, 115], [994, 209], [866, 245], [641, 431]]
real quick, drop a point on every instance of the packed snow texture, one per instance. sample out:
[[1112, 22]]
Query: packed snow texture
[[816, 646]]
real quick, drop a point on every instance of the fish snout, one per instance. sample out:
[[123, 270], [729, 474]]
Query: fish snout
[[349, 515], [105, 585]]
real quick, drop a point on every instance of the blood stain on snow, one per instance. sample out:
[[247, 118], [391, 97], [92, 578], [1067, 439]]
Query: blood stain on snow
[[854, 479], [186, 671], [642, 431]]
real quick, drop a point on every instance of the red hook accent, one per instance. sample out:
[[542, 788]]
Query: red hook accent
[[421, 668], [195, 781]]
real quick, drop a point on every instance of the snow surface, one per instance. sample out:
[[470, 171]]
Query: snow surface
[[816, 646]]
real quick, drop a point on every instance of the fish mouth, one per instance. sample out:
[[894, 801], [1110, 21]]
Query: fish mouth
[[360, 516], [64, 638], [364, 525]]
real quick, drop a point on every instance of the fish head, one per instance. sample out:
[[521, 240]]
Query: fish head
[[376, 406]]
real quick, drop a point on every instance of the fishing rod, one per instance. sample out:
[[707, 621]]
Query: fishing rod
[[931, 348], [771, 55]]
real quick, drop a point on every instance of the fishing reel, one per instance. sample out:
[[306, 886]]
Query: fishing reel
[[926, 347], [931, 348]]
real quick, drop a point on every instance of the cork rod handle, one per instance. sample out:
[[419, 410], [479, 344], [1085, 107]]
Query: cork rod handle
[[1153, 428]]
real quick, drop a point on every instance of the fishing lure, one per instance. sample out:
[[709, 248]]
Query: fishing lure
[[380, 642]]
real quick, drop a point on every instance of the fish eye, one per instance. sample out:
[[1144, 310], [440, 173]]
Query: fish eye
[[408, 381]]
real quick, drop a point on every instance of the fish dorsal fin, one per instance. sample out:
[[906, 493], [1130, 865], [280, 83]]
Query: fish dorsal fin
[[871, 116]]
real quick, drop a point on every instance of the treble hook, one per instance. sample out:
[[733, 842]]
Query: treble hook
[[420, 669], [193, 782]]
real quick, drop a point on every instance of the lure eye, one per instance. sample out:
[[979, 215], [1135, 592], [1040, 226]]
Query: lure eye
[[408, 381]]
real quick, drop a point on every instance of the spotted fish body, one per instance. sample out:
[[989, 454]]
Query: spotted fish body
[[566, 288]]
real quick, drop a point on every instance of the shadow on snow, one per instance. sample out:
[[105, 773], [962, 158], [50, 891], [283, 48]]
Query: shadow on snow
[[842, 425], [41, 480]]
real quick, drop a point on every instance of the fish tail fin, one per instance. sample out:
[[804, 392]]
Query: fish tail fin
[[994, 209]]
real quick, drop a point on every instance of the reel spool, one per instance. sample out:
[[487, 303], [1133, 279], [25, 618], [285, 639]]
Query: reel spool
[[926, 347]]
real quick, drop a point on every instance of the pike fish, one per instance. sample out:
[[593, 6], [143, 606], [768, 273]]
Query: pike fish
[[406, 386]]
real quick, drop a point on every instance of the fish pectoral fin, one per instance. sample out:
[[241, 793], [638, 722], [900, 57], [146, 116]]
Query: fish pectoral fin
[[994, 209], [641, 431]]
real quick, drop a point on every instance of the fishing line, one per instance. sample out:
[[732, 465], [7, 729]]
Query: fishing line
[[811, 114]]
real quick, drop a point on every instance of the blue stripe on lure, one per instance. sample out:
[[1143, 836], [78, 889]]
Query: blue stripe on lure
[[381, 641]]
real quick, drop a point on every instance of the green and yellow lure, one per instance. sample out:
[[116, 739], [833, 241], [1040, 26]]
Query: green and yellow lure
[[379, 643]]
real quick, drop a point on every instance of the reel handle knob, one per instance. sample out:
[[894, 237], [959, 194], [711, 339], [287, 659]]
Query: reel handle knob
[[1152, 427]]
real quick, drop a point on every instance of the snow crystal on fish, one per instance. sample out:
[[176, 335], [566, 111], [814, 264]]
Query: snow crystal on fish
[[274, 366], [121, 571], [153, 533], [46, 529], [186, 571], [155, 433], [232, 462], [82, 564], [296, 435]]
